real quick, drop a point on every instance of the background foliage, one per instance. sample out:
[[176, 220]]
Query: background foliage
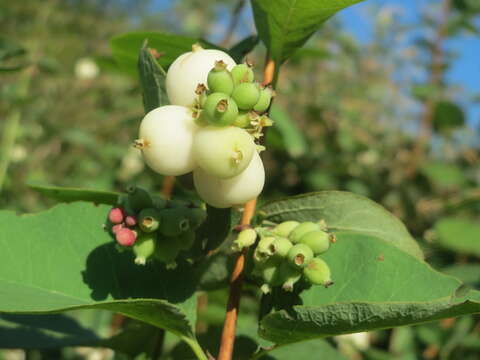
[[349, 116]]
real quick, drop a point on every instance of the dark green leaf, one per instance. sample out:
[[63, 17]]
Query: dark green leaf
[[458, 234], [293, 140], [63, 259], [447, 116], [239, 50], [125, 48], [216, 227], [343, 211], [377, 286], [66, 194], [285, 25], [152, 80]]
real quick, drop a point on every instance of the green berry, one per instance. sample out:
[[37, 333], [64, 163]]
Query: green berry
[[220, 109], [264, 100], [288, 276], [317, 272], [245, 239], [149, 220], [167, 250], [281, 246], [242, 73], [318, 241], [186, 239], [299, 255], [138, 198], [246, 95], [144, 248], [174, 221], [285, 228], [196, 216], [264, 249], [219, 79], [245, 118], [301, 230]]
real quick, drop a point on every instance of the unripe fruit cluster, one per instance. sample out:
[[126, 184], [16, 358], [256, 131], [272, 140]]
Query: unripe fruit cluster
[[290, 251], [154, 228], [210, 128]]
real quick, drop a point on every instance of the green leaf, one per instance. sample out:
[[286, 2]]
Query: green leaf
[[66, 194], [444, 176], [292, 138], [125, 48], [216, 227], [467, 273], [304, 350], [458, 234], [285, 25], [50, 331], [447, 116], [242, 48], [344, 211], [152, 80], [377, 286], [63, 259]]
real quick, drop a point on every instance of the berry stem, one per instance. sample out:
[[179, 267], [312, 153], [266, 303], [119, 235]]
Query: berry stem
[[233, 305], [167, 186]]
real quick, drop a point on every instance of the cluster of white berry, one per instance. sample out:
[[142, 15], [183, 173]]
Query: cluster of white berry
[[210, 128]]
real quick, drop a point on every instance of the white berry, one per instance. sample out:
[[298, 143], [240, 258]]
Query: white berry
[[224, 193], [191, 69], [223, 152], [166, 138]]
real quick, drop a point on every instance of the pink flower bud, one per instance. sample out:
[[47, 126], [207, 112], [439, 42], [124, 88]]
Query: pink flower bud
[[130, 221], [117, 227], [126, 237], [116, 216]]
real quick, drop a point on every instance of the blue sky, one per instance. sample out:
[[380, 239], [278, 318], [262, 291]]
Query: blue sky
[[465, 71]]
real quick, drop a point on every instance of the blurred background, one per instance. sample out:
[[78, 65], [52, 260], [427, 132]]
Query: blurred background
[[384, 102]]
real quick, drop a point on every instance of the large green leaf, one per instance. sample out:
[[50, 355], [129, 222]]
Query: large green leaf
[[66, 194], [152, 80], [285, 25], [63, 259], [458, 234], [125, 48], [344, 211], [376, 286]]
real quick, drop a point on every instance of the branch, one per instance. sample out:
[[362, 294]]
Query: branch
[[236, 280], [233, 23], [436, 78]]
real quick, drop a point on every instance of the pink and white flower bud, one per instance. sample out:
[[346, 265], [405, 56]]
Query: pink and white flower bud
[[116, 215], [130, 221], [126, 237]]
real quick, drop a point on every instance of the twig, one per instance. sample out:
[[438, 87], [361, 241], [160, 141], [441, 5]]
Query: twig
[[436, 77], [236, 280], [167, 186], [233, 23]]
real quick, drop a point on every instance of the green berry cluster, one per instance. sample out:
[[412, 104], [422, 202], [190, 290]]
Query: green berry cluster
[[290, 251], [152, 227], [233, 98]]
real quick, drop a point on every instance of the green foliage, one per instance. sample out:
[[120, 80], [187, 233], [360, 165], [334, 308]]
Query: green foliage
[[389, 291], [125, 48], [447, 116], [93, 274], [152, 80], [64, 194], [458, 234], [285, 25]]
